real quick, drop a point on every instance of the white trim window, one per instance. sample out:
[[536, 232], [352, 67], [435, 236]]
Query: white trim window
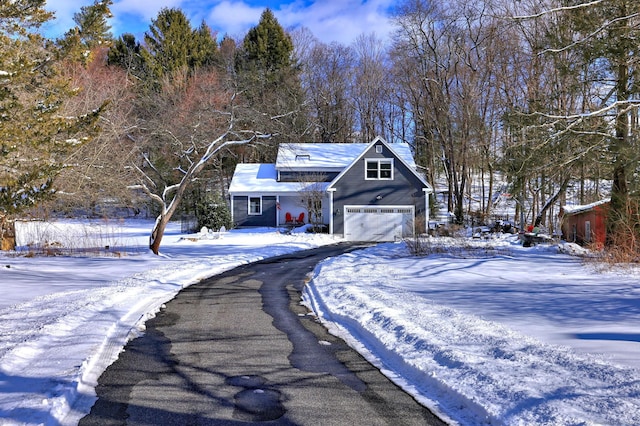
[[378, 169], [255, 206]]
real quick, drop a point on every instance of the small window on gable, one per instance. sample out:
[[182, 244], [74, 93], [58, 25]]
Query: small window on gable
[[255, 205], [380, 169], [378, 149]]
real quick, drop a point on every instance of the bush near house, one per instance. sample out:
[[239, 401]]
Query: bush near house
[[213, 212]]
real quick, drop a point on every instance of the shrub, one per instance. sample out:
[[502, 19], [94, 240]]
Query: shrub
[[213, 212]]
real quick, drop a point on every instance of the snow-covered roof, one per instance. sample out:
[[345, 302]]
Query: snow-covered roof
[[307, 157], [329, 156], [263, 179], [574, 209]]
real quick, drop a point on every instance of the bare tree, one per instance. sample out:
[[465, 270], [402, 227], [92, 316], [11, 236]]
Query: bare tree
[[327, 78], [97, 170], [370, 91], [313, 192], [192, 121], [443, 53]]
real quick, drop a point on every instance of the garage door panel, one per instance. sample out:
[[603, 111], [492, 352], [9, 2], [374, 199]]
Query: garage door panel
[[366, 223]]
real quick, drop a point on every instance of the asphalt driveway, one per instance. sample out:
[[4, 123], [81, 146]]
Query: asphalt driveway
[[238, 348]]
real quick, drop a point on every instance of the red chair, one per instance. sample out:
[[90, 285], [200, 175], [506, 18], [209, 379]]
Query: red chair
[[300, 218], [288, 218]]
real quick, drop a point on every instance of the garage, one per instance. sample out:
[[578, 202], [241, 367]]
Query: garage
[[373, 223]]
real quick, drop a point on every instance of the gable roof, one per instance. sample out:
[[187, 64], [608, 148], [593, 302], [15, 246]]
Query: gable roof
[[329, 157], [255, 178], [411, 165]]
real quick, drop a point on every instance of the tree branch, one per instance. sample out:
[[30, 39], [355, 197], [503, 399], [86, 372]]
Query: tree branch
[[556, 9]]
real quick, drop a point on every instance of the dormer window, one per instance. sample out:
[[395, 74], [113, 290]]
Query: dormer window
[[379, 169]]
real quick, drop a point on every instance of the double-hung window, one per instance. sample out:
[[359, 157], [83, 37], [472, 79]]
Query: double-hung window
[[255, 205], [381, 169]]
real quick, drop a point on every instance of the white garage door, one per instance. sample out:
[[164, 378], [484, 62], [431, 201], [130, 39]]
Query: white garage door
[[367, 223]]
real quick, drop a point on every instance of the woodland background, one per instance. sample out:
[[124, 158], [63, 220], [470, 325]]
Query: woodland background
[[526, 98]]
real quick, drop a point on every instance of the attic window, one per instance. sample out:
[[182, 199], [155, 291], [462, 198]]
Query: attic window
[[302, 157], [379, 169], [378, 149]]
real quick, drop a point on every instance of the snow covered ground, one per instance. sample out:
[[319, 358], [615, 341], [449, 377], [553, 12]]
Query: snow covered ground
[[498, 334], [494, 333], [64, 319]]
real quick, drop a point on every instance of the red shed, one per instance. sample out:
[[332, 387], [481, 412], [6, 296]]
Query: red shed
[[586, 224]]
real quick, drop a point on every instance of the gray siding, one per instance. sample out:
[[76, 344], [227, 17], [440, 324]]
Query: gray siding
[[241, 215], [354, 189]]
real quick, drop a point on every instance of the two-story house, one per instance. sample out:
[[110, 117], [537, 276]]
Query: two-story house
[[362, 191]]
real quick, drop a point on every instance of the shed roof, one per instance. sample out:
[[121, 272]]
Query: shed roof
[[575, 209], [255, 178]]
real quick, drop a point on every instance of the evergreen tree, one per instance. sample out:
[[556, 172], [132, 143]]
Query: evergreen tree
[[171, 45], [34, 137], [91, 31], [267, 47], [204, 50], [212, 211], [605, 37], [126, 53], [167, 43], [270, 81]]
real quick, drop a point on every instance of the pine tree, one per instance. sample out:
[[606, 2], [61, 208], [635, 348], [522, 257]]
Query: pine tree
[[34, 137], [267, 47], [92, 24], [607, 40], [167, 43], [204, 49], [126, 53], [91, 31], [171, 45], [270, 80]]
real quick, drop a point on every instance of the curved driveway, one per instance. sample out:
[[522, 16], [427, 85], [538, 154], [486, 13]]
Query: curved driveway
[[238, 348]]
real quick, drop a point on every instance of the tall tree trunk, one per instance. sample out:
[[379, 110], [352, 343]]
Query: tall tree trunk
[[619, 191]]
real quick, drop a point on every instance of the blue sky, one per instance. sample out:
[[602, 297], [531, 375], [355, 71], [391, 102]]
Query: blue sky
[[328, 20]]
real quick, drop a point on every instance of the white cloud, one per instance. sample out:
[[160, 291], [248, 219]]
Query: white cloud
[[64, 10], [135, 16], [339, 20], [144, 9], [234, 18], [328, 20]]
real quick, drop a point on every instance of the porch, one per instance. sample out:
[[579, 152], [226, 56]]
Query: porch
[[296, 210]]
